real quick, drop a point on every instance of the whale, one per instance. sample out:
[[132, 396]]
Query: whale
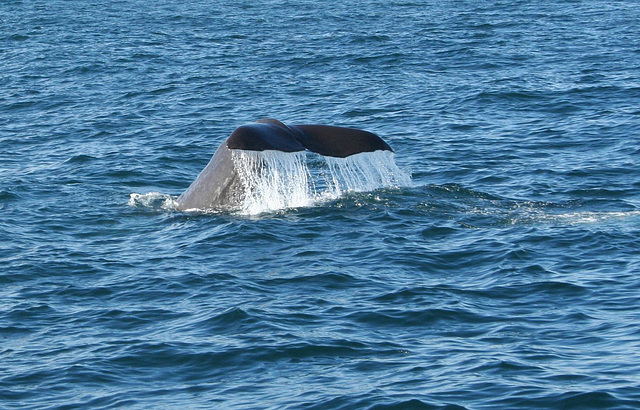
[[218, 185]]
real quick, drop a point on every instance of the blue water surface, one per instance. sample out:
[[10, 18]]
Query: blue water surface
[[506, 276]]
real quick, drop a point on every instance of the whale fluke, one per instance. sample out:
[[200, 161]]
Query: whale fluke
[[264, 135], [218, 185], [339, 142], [325, 140]]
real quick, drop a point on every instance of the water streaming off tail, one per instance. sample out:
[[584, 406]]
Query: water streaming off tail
[[274, 180], [365, 172]]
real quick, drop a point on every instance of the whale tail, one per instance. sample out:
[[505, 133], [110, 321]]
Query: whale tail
[[331, 141], [219, 185]]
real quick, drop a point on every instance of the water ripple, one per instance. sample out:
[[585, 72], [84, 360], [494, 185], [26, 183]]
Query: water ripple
[[505, 275]]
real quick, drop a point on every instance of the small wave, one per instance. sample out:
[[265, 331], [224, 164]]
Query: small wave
[[153, 200], [7, 195]]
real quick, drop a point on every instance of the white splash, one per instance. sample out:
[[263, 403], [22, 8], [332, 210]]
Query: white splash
[[365, 172], [274, 180], [153, 200]]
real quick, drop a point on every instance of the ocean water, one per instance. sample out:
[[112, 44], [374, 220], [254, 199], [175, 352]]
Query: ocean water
[[504, 274]]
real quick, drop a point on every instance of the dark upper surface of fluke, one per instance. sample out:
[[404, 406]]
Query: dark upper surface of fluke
[[322, 139]]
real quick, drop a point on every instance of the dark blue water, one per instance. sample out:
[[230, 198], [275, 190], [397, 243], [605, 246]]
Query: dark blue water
[[507, 275]]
